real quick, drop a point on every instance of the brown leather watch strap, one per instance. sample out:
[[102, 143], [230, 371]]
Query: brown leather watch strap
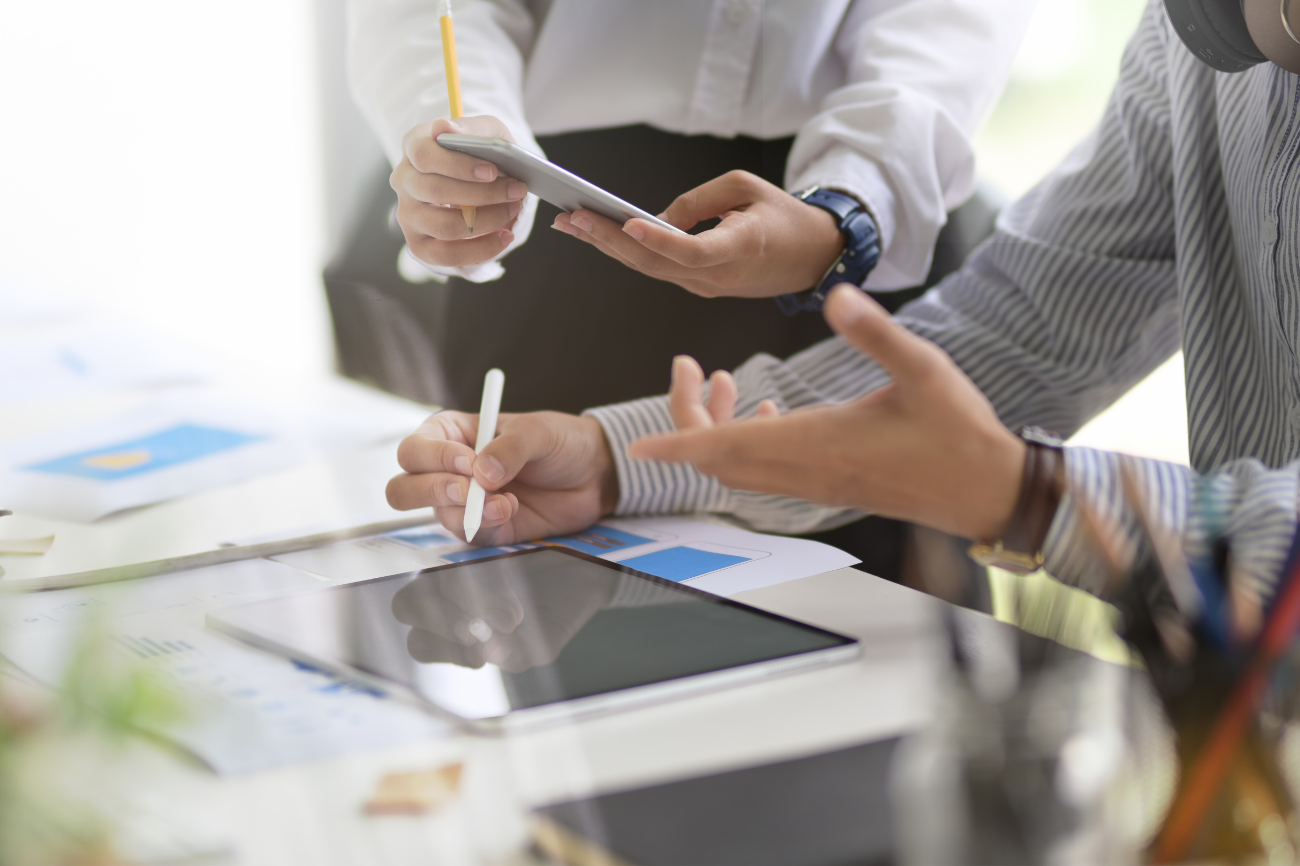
[[1041, 486], [1040, 494]]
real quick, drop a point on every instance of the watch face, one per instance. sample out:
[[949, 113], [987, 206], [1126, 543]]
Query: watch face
[[1041, 437]]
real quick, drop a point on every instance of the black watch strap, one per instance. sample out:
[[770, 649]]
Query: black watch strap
[[861, 249]]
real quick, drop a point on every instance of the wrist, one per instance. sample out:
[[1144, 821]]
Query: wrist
[[605, 470], [1014, 540]]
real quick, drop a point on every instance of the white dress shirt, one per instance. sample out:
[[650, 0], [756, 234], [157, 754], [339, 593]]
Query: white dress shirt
[[883, 95]]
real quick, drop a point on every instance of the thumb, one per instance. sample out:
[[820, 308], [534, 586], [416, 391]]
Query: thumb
[[712, 199], [866, 326]]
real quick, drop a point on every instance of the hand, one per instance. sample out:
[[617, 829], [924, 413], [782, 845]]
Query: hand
[[433, 182], [497, 614], [768, 243], [546, 474], [927, 448]]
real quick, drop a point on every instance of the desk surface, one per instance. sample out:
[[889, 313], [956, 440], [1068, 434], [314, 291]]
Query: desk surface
[[311, 813]]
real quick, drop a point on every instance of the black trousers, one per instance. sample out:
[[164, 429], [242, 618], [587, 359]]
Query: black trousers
[[573, 328]]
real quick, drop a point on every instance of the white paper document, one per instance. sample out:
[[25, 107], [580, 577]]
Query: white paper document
[[179, 444], [91, 357], [247, 710], [716, 559]]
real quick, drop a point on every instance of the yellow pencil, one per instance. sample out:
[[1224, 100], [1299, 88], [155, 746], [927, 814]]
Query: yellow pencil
[[453, 86]]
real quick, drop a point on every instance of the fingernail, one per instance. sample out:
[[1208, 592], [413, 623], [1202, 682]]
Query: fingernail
[[515, 190], [454, 493], [484, 172], [582, 222], [491, 469], [495, 510], [562, 227], [464, 465], [515, 208], [635, 231]]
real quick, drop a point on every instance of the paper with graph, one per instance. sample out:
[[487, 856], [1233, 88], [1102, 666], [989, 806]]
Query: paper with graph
[[179, 444], [717, 559]]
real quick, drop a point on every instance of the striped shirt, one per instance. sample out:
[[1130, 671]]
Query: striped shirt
[[1176, 223]]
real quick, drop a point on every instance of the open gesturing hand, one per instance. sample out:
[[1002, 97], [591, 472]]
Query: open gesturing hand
[[928, 448]]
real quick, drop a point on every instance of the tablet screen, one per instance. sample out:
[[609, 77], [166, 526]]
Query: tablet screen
[[523, 630]]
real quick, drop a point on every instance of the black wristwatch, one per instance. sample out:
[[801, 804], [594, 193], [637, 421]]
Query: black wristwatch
[[861, 249]]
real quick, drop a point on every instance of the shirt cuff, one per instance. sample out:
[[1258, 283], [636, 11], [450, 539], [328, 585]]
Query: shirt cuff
[[492, 269], [844, 170], [649, 486]]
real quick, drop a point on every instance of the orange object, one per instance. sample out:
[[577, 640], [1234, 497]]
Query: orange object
[[467, 212]]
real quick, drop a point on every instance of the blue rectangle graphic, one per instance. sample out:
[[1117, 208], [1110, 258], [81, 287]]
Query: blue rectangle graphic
[[180, 444], [421, 537], [481, 552], [681, 563], [599, 540]]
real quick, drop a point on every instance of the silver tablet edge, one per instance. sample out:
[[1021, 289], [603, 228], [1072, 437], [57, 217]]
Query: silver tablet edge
[[576, 709], [558, 172]]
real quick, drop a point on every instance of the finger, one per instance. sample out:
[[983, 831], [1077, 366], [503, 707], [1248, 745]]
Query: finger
[[440, 444], [686, 397], [429, 648], [428, 490], [866, 326], [487, 596], [768, 409], [720, 245], [610, 236], [440, 189], [447, 223], [456, 254], [722, 397], [495, 528], [697, 446], [420, 147], [733, 190], [520, 440]]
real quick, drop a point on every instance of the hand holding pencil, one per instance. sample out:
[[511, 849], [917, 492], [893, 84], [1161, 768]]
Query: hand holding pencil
[[455, 210]]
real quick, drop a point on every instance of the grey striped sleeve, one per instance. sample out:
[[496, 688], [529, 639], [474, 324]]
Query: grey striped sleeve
[[830, 372], [1252, 507]]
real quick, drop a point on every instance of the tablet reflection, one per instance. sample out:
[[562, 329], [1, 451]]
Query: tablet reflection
[[506, 616]]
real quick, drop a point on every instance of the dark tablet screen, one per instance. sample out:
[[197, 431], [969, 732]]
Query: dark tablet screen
[[522, 630]]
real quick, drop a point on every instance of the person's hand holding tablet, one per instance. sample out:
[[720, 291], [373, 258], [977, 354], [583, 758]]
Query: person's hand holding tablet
[[432, 183], [768, 243]]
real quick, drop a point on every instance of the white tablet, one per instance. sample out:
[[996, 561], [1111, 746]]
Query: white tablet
[[532, 636], [548, 181]]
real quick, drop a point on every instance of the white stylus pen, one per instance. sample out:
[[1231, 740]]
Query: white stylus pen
[[493, 383]]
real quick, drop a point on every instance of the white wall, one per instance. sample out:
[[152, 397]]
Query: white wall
[[166, 161]]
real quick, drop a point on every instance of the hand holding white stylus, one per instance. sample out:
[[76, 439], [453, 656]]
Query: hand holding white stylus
[[493, 383]]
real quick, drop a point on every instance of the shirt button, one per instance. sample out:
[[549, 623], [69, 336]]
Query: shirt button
[[1268, 230]]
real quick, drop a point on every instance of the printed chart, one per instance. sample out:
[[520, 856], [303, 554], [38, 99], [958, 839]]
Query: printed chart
[[172, 447]]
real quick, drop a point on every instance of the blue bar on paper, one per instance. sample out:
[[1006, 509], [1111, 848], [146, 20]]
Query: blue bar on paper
[[180, 444], [599, 540], [681, 563], [421, 537], [481, 552]]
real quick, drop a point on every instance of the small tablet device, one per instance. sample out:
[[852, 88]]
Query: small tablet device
[[548, 181], [532, 636]]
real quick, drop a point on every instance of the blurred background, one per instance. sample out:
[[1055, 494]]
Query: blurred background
[[196, 166]]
